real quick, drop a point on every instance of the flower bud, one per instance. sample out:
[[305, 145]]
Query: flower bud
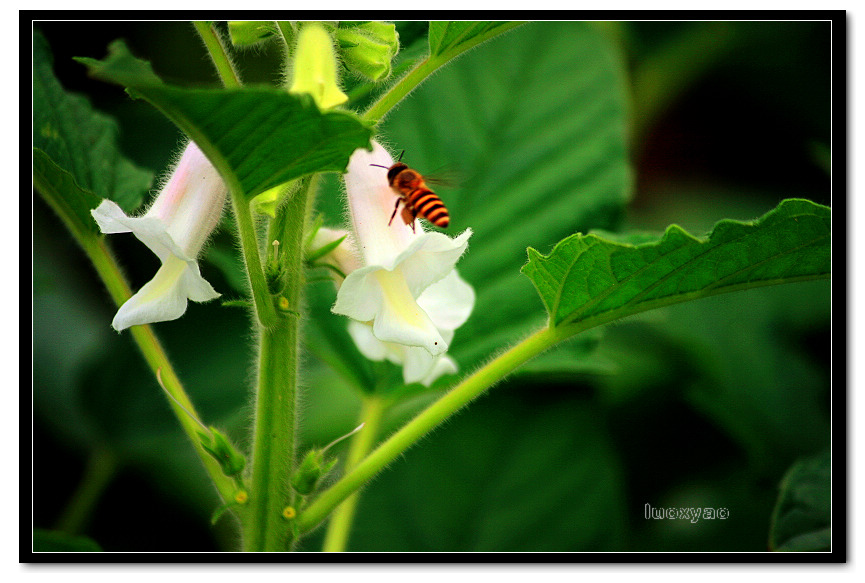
[[369, 48], [315, 67], [217, 444], [313, 467]]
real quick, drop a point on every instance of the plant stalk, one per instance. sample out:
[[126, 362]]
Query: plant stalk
[[339, 527], [424, 69], [264, 308], [216, 48], [265, 524]]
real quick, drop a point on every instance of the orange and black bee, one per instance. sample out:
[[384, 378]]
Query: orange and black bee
[[417, 198]]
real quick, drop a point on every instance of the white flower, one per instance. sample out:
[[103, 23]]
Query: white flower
[[175, 228], [448, 303], [405, 296]]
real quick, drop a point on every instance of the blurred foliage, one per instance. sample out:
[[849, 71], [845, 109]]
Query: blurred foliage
[[701, 404], [803, 517], [53, 541]]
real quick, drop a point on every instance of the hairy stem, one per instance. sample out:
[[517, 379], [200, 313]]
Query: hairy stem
[[265, 526], [240, 204], [423, 70], [339, 527], [264, 307], [396, 93], [214, 44]]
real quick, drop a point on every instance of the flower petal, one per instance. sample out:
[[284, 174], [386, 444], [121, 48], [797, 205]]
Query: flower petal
[[419, 366], [448, 302], [150, 230], [429, 258], [373, 294], [165, 296], [371, 202], [360, 296], [368, 345], [443, 365], [400, 319]]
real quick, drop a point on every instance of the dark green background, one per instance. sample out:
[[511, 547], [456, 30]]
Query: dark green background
[[703, 404]]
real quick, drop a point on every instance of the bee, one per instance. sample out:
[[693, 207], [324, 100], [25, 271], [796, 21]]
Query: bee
[[417, 198]]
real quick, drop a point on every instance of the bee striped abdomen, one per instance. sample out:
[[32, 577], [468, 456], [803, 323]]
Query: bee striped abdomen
[[429, 206], [417, 200]]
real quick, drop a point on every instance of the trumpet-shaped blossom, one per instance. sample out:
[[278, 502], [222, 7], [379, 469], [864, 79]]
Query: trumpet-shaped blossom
[[175, 228], [402, 289]]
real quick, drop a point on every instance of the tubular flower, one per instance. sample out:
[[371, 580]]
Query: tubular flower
[[404, 293], [316, 67], [175, 228]]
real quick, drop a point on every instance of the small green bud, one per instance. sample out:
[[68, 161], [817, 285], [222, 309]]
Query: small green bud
[[314, 466], [244, 33], [310, 471], [315, 67], [369, 48], [217, 444]]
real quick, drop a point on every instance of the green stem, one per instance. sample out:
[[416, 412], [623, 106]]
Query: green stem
[[286, 31], [216, 48], [100, 469], [339, 527], [402, 88], [264, 307], [265, 528], [465, 392], [423, 70], [243, 215]]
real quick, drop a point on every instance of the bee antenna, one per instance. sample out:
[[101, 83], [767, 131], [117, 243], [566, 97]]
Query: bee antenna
[[400, 156], [379, 165]]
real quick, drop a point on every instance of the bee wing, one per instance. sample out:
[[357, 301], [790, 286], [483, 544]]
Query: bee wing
[[448, 176]]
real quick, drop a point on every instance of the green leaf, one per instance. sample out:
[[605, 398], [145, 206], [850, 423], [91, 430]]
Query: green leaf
[[76, 158], [455, 37], [59, 189], [257, 137], [541, 160], [802, 518], [586, 276], [52, 541]]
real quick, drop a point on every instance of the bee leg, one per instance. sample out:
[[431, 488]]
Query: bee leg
[[409, 214], [396, 206]]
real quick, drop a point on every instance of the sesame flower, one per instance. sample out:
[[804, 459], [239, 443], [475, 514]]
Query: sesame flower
[[401, 290], [175, 228]]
